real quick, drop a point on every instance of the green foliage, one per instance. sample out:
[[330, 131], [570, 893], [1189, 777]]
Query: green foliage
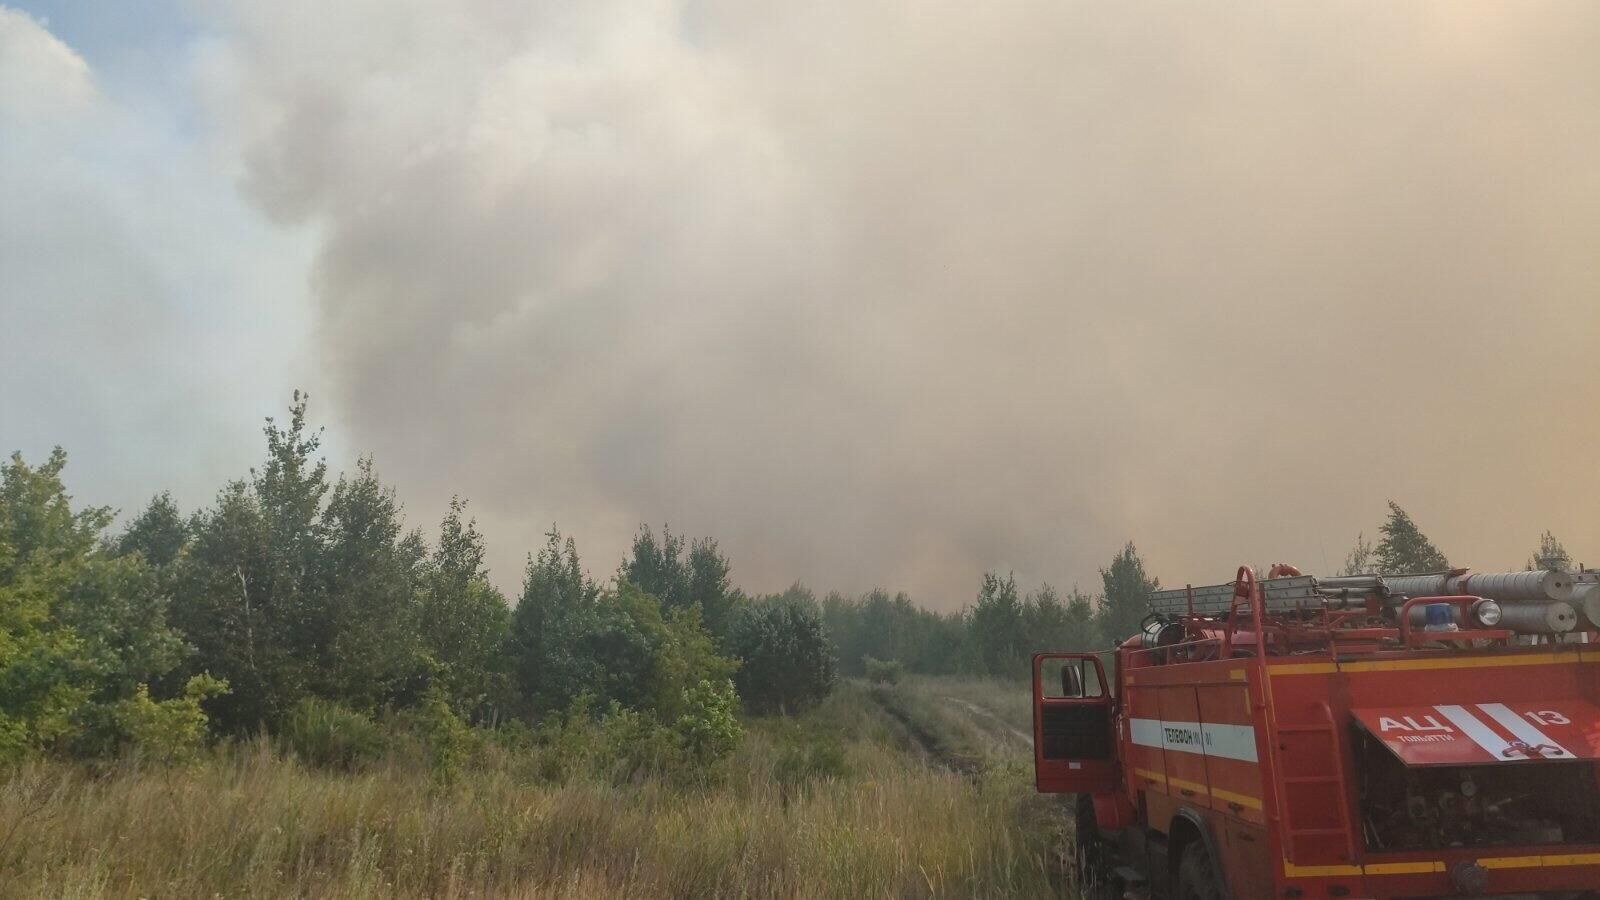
[[623, 745], [448, 739], [569, 638], [1082, 630], [557, 602], [79, 628], [786, 660], [885, 627], [1362, 558], [1550, 555], [707, 729], [999, 632], [464, 622], [1051, 624], [1127, 595], [998, 636], [1404, 548], [660, 568], [809, 757], [158, 534], [884, 671], [292, 589], [710, 588], [617, 745], [169, 731], [252, 595], [331, 735], [372, 570]]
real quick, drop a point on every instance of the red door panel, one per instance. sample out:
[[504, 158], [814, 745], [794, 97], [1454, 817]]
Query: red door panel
[[1074, 749]]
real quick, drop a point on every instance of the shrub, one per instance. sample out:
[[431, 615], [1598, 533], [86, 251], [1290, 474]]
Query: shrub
[[634, 746], [326, 734], [883, 671], [169, 731], [708, 730], [809, 756], [786, 660], [449, 740]]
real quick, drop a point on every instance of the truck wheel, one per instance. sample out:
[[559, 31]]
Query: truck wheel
[[1095, 880], [1197, 880]]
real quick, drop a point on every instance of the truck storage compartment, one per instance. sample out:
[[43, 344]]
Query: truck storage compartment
[[1407, 807]]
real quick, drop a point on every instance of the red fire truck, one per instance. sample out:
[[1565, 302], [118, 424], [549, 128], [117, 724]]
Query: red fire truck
[[1363, 736]]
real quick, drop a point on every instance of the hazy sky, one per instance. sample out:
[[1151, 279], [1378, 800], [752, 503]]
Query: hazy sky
[[879, 292]]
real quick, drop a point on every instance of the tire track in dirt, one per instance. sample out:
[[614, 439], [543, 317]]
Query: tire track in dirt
[[993, 718], [924, 740]]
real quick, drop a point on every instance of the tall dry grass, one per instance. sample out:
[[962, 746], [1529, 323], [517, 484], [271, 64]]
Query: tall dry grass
[[870, 820]]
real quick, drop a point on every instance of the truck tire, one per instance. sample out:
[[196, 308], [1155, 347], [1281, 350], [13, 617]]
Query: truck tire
[[1095, 878], [1197, 877]]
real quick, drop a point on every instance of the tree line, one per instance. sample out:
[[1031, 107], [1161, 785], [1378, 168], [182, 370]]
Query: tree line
[[999, 631], [294, 587]]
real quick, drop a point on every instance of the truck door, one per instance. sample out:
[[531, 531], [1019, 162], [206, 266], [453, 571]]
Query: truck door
[[1072, 720]]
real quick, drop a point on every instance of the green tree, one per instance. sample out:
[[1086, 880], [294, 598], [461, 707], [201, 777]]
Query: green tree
[[251, 594], [1083, 631], [708, 729], [1045, 621], [786, 662], [1362, 558], [42, 546], [169, 731], [1404, 549], [557, 605], [290, 488], [659, 568], [372, 571], [224, 607], [158, 534], [464, 620], [1550, 555], [999, 630], [1126, 600], [644, 658], [80, 629], [709, 586], [878, 626]]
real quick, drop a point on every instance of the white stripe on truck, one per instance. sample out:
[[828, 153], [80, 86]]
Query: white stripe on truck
[[1200, 738], [1473, 727], [1524, 731]]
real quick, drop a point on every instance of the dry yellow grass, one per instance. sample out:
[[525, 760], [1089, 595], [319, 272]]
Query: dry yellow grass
[[248, 822]]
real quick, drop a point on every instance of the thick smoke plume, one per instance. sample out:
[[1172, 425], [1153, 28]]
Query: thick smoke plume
[[892, 292]]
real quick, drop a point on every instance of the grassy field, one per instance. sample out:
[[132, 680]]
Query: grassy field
[[919, 789]]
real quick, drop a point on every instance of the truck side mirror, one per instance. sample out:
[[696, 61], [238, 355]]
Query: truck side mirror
[[1071, 681]]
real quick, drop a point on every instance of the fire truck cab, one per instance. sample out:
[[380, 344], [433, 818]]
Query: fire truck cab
[[1354, 737]]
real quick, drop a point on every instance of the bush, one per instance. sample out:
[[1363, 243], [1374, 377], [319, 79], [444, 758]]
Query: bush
[[169, 731], [786, 660], [883, 671], [708, 729], [810, 756], [449, 740], [634, 746], [326, 734]]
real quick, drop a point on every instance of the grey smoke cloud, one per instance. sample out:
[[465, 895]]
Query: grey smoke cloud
[[894, 292]]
